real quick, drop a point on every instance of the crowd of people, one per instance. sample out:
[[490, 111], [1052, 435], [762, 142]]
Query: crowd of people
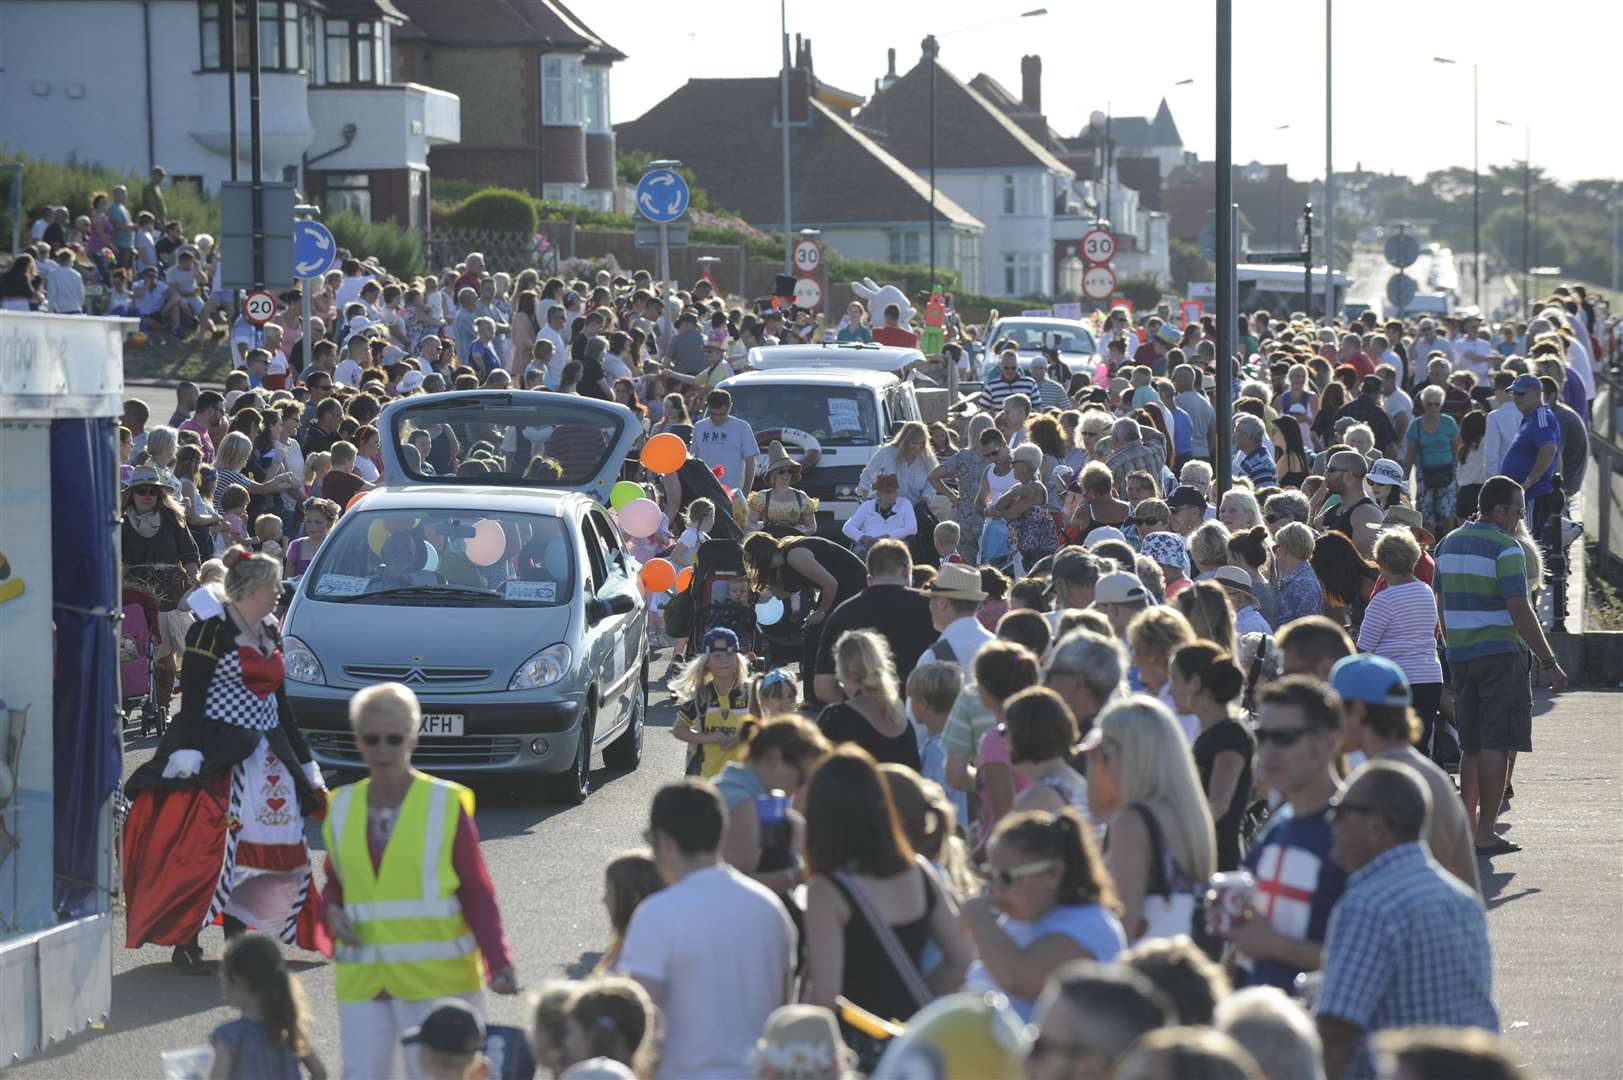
[[1078, 763]]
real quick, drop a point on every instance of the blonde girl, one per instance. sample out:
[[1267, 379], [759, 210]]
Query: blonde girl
[[872, 714], [714, 696]]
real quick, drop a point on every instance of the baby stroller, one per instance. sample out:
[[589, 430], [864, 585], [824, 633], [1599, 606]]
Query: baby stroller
[[716, 566], [137, 668]]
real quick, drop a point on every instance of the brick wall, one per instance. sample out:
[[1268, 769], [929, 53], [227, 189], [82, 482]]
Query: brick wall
[[497, 87]]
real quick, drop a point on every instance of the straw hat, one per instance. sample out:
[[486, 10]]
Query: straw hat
[[1409, 518], [958, 582], [802, 1042], [778, 458]]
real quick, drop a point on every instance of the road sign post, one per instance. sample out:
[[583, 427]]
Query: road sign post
[[809, 270], [662, 197], [314, 253], [259, 307], [1098, 283], [1098, 246]]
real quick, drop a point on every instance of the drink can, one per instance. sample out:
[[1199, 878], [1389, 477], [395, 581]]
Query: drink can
[[772, 808], [1228, 899]]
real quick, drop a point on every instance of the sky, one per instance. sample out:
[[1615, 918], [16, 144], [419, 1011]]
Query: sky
[[1396, 110]]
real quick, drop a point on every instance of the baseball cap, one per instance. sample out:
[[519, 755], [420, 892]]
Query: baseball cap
[[452, 1028], [1074, 566], [719, 637], [1231, 577], [1119, 587], [1374, 680], [1102, 533], [410, 381], [1525, 384], [1184, 495]]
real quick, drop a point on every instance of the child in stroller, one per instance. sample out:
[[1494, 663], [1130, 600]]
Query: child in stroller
[[721, 594]]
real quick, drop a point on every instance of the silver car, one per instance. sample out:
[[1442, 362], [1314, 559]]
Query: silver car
[[501, 593]]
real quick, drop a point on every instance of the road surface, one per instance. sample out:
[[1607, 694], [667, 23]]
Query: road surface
[[1554, 909]]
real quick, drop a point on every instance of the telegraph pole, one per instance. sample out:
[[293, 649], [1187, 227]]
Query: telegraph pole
[[1224, 223]]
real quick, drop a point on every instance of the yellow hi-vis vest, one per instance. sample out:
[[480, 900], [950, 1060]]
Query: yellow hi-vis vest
[[415, 944]]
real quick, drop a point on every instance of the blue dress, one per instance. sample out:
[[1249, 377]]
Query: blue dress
[[253, 1052]]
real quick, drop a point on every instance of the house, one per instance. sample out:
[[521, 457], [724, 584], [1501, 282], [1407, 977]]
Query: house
[[987, 164], [1154, 137], [334, 118], [1123, 191], [541, 79], [1268, 199], [868, 204]]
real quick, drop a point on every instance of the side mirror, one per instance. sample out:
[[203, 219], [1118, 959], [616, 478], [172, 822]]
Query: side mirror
[[621, 604], [598, 610]]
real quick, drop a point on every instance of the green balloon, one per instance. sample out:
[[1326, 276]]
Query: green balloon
[[623, 492]]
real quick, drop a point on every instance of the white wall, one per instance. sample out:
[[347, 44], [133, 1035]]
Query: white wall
[[395, 125], [980, 192]]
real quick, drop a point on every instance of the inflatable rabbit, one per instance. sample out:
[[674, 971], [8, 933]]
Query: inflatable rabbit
[[878, 299]]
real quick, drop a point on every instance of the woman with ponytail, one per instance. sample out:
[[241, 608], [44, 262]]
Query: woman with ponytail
[[872, 714], [269, 1040], [611, 1018], [1207, 683], [1050, 900]]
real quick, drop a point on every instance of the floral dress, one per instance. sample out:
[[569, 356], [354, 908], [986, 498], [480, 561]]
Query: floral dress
[[965, 469], [781, 517]]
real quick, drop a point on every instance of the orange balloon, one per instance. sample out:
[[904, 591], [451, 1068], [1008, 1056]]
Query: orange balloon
[[359, 495], [657, 575], [684, 578], [664, 453]]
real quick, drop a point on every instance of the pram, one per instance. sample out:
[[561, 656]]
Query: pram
[[137, 667], [716, 565]]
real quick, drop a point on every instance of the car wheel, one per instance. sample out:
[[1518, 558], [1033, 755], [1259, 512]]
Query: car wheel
[[625, 753], [573, 784]]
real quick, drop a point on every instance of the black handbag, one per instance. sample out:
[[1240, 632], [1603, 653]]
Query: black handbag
[[1437, 477]]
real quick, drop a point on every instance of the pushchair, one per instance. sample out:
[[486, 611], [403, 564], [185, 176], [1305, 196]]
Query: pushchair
[[137, 661]]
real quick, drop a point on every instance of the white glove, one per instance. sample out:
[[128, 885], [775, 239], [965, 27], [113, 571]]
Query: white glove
[[312, 773], [183, 764]]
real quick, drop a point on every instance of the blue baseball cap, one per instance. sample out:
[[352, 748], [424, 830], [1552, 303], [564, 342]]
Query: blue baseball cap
[[1525, 384], [1374, 680], [719, 637]]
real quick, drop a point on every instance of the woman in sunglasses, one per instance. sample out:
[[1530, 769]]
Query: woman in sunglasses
[[160, 558], [233, 744], [778, 756], [408, 897], [1049, 900]]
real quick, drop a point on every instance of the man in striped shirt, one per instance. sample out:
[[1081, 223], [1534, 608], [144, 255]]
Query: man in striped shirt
[[1488, 629], [1009, 380]]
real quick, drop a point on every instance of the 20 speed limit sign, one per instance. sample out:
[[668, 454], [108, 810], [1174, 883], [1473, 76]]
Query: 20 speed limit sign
[[1098, 246], [808, 256], [1099, 282], [259, 307]]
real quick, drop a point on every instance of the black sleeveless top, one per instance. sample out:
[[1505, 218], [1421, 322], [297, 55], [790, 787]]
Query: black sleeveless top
[[869, 978], [1340, 520], [849, 573]]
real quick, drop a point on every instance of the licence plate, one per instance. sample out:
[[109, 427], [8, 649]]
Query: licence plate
[[440, 724]]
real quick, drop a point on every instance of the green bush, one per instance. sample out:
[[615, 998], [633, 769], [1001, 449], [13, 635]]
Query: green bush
[[73, 182], [914, 280], [499, 210], [1142, 289], [398, 249]]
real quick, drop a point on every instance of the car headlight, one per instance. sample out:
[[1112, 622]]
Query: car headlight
[[300, 662], [845, 491], [546, 667]]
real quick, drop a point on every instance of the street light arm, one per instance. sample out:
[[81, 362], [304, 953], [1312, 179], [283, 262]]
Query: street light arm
[[1032, 14]]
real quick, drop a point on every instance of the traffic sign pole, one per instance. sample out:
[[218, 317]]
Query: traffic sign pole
[[665, 263]]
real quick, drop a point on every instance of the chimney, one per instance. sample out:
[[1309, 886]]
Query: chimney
[[1031, 83], [890, 72]]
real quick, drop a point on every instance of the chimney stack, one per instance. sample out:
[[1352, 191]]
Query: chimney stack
[[1031, 83]]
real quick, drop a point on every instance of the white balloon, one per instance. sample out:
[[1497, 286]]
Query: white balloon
[[769, 612], [640, 518]]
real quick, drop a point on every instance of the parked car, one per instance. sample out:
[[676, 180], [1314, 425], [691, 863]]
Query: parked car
[[506, 600], [1031, 335]]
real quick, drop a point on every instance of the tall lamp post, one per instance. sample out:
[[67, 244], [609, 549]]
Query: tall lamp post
[[1476, 189], [783, 105], [931, 47]]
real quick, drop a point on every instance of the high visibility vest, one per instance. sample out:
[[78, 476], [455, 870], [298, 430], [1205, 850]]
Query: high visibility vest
[[415, 944]]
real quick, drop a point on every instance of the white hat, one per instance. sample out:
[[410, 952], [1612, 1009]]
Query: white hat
[[1102, 533], [411, 380], [1385, 471], [1119, 587]]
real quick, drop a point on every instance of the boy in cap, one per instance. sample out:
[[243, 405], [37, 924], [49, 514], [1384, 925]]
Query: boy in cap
[[450, 1043]]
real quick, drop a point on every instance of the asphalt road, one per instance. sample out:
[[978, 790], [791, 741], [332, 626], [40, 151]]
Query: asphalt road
[[1554, 909]]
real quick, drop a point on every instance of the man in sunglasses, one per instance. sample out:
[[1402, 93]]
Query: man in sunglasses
[[1298, 737], [1088, 1016], [1407, 944], [1008, 380]]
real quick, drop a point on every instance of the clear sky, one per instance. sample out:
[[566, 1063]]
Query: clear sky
[[1395, 109]]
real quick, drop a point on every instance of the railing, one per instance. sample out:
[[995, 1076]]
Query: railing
[[1607, 453], [509, 251]]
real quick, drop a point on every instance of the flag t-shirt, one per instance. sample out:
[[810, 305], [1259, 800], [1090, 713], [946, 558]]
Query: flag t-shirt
[[1297, 885]]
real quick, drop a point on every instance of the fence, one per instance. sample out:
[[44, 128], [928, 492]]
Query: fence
[[1605, 483], [503, 251]]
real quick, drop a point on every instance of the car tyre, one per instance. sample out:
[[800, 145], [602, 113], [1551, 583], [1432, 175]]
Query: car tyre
[[625, 753], [571, 786]]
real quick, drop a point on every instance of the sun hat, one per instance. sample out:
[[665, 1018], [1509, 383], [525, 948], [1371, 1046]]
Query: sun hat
[[1410, 518], [1386, 471], [778, 458], [1166, 549], [802, 1042], [1168, 335], [1374, 680], [146, 474], [957, 582], [1119, 587], [1230, 577], [1102, 533]]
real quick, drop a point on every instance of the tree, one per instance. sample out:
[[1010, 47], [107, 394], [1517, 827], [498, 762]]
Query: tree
[[1187, 264]]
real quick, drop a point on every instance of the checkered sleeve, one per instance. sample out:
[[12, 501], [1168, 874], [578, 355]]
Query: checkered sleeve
[[1359, 963]]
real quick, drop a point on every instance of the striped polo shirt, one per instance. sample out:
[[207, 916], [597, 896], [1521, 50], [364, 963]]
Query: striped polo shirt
[[1479, 567]]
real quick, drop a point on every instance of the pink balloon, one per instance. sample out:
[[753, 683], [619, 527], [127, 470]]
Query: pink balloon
[[640, 518], [487, 544]]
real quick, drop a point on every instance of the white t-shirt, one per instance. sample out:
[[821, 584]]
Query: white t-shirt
[[350, 289], [347, 372], [366, 470], [1397, 403], [723, 946], [726, 444]]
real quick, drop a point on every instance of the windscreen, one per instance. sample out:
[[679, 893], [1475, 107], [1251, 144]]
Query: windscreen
[[500, 442], [445, 557], [1034, 337], [833, 415]]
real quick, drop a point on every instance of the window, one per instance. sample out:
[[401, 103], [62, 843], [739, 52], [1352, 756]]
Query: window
[[354, 52], [416, 201], [312, 54], [1023, 273], [599, 200], [594, 96], [572, 194], [281, 35], [904, 247], [1025, 193], [560, 90], [349, 193]]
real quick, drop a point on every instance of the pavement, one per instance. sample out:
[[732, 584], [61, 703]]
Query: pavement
[[1553, 909]]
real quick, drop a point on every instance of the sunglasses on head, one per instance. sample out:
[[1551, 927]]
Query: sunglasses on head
[[1008, 878], [373, 739]]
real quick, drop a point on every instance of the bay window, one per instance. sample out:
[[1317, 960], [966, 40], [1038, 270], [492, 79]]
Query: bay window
[[281, 35], [594, 92], [1023, 273], [560, 90], [354, 52]]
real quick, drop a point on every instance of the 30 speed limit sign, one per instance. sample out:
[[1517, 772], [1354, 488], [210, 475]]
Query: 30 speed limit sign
[[808, 256], [259, 307], [1098, 246]]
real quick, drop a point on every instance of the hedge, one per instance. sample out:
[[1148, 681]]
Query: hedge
[[73, 182], [499, 210], [398, 249]]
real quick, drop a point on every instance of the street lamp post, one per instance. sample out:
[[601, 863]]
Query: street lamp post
[[1329, 176], [1527, 206], [931, 47], [1224, 226], [783, 105], [1476, 189]]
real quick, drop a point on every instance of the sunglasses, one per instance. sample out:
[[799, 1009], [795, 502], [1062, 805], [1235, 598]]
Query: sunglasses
[[372, 739], [1006, 879], [1141, 521], [1341, 809], [1283, 737], [144, 492]]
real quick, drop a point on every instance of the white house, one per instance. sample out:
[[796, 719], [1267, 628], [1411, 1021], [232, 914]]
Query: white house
[[132, 84], [986, 164]]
